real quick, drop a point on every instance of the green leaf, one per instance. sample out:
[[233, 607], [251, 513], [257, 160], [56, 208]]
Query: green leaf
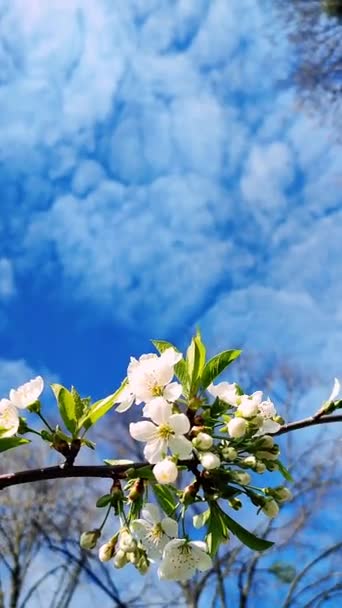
[[218, 532], [195, 359], [104, 500], [181, 370], [284, 471], [114, 463], [66, 406], [81, 405], [7, 443], [165, 499], [100, 408], [141, 473], [217, 365], [246, 537]]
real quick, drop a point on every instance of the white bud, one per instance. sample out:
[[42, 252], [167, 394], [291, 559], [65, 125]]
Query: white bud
[[201, 519], [271, 508], [250, 461], [282, 494], [266, 442], [165, 471], [266, 455], [120, 559], [229, 453], [106, 552], [89, 539], [243, 478], [237, 427], [209, 460], [126, 541], [203, 441], [260, 467]]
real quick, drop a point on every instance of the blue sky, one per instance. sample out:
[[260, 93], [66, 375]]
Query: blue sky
[[157, 172]]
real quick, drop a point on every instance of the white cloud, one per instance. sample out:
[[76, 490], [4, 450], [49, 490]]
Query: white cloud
[[168, 163]]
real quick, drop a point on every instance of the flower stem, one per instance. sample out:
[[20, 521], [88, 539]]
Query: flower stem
[[45, 422], [105, 518]]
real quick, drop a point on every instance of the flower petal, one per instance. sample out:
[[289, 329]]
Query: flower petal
[[335, 391], [203, 560], [151, 513], [142, 431], [181, 446], [180, 423], [140, 527], [9, 418], [159, 410], [170, 527], [172, 391], [154, 450]]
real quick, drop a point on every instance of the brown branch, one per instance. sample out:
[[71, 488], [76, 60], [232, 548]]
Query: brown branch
[[119, 471], [306, 422]]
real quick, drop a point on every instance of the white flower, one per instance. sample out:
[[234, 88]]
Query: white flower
[[249, 405], [203, 441], [27, 393], [165, 471], [166, 431], [153, 531], [237, 427], [182, 558], [9, 419], [267, 411], [224, 391], [149, 378], [209, 460], [335, 391]]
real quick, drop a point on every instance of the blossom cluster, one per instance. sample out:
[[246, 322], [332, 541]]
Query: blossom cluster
[[205, 443], [218, 442]]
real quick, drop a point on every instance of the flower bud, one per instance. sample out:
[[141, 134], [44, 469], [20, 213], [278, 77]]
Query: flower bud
[[132, 557], [282, 494], [266, 442], [237, 427], [271, 508], [266, 455], [260, 467], [249, 461], [229, 453], [201, 519], [165, 471], [88, 540], [136, 491], [143, 564], [209, 460], [235, 503], [126, 541], [120, 559], [243, 478], [203, 441], [190, 493], [106, 551]]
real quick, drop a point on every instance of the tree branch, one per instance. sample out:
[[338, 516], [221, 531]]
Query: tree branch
[[119, 471], [306, 422]]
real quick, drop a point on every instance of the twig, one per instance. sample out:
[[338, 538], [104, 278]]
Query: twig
[[119, 471]]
